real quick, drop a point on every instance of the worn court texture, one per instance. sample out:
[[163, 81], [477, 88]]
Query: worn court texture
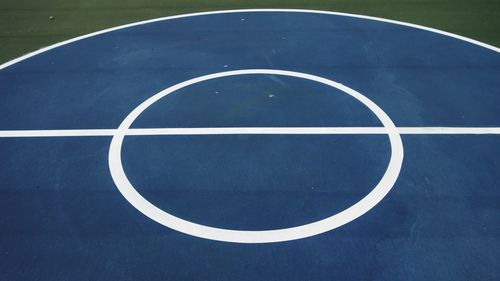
[[63, 217]]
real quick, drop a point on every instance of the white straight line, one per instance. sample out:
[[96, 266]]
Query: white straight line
[[449, 130], [259, 131], [57, 133], [253, 131]]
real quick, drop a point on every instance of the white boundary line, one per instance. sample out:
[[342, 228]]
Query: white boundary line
[[445, 33], [253, 131]]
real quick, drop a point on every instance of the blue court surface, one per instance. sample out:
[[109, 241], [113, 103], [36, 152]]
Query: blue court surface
[[252, 145]]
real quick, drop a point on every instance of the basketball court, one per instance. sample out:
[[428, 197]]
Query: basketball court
[[264, 144]]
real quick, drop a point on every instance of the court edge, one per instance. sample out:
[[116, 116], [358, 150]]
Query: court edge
[[445, 33]]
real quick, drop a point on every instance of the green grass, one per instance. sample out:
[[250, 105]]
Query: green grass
[[25, 24]]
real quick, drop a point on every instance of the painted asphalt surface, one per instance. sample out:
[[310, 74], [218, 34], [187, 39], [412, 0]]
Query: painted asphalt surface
[[65, 219]]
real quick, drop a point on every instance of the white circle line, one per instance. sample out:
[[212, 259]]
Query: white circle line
[[434, 30], [265, 236]]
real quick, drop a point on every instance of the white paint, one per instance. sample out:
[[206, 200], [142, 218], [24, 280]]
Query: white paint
[[254, 131], [449, 130], [265, 236], [57, 133], [472, 41]]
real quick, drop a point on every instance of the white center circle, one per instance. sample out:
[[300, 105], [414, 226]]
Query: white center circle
[[254, 236]]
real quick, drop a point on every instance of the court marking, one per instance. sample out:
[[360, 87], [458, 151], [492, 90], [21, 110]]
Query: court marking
[[268, 235], [260, 236], [251, 131], [417, 26], [381, 189]]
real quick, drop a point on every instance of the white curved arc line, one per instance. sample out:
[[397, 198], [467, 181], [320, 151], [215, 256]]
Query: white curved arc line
[[445, 33], [252, 131]]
